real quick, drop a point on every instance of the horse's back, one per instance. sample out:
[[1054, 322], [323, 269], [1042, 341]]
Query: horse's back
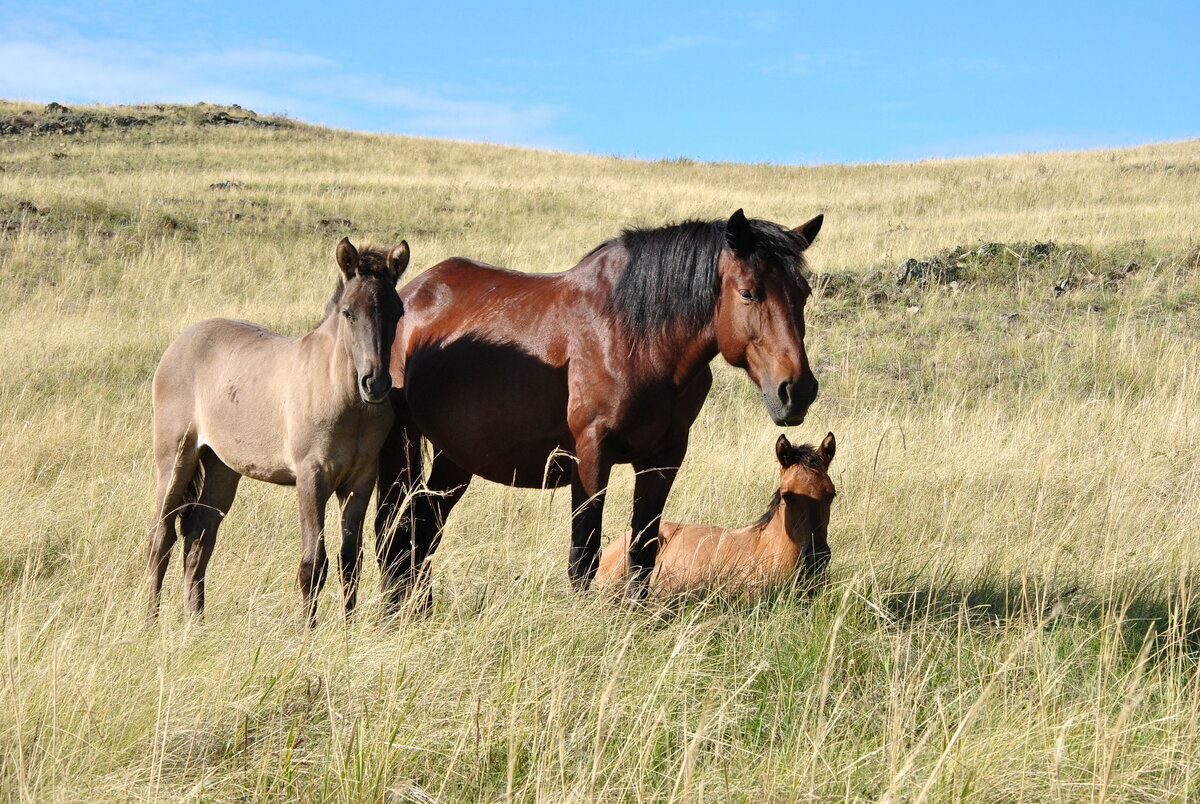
[[480, 346], [212, 346], [218, 376], [689, 556], [460, 296], [684, 551]]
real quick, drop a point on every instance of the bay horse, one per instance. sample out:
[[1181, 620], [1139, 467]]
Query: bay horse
[[540, 380], [232, 398], [789, 539]]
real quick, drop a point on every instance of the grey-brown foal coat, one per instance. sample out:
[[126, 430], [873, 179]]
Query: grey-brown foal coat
[[232, 398]]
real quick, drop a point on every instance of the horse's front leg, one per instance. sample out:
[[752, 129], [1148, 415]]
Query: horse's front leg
[[353, 503], [652, 483], [400, 474], [313, 492], [589, 481]]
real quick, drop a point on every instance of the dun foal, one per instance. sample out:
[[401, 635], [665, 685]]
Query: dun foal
[[232, 398], [789, 539]]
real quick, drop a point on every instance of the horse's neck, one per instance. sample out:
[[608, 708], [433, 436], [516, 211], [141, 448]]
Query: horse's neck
[[323, 348], [682, 351], [777, 536]]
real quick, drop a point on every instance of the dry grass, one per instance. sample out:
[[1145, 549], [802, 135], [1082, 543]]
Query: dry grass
[[987, 467]]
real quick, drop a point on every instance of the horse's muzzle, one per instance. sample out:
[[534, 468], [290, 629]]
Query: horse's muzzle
[[788, 401], [373, 388]]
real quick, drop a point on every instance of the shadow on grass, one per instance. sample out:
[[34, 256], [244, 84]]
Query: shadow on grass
[[1139, 610]]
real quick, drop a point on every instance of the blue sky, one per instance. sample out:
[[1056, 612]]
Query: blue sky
[[778, 82]]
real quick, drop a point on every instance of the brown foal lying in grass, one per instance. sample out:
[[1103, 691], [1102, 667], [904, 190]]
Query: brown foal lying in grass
[[788, 541]]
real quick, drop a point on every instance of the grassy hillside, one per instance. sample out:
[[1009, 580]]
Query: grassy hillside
[[1013, 609]]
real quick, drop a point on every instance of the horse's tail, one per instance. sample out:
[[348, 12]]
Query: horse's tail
[[191, 495]]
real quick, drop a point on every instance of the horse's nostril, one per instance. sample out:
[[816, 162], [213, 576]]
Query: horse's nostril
[[785, 393]]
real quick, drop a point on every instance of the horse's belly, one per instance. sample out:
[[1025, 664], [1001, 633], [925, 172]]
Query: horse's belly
[[248, 457], [247, 439], [494, 410]]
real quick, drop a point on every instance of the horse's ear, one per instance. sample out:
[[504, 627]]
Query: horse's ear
[[397, 260], [783, 451], [738, 235], [809, 230], [347, 258], [828, 449]]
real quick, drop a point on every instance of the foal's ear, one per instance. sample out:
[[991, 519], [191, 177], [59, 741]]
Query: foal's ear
[[783, 451], [827, 449], [738, 235], [397, 260], [809, 230], [347, 258]]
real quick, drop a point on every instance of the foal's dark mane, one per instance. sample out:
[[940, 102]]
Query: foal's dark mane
[[372, 261], [671, 275], [804, 454]]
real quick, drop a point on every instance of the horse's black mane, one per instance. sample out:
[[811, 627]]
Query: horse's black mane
[[804, 454], [671, 277], [372, 261]]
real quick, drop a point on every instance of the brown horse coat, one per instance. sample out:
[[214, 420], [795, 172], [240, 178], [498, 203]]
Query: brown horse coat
[[545, 380], [792, 534]]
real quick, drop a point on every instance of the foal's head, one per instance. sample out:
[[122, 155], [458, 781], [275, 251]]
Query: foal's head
[[760, 314], [368, 310], [806, 494]]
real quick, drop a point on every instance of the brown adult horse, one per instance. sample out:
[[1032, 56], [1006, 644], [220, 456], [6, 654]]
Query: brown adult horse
[[232, 398], [541, 380], [791, 536]]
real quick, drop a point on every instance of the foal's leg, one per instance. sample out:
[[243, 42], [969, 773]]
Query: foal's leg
[[313, 492], [354, 510], [201, 520], [589, 482], [176, 459], [447, 483]]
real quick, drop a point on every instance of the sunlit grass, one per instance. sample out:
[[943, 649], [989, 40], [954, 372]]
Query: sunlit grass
[[1012, 608]]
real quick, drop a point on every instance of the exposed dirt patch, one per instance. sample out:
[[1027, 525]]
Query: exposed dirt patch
[[1059, 268], [55, 118], [58, 119], [226, 119]]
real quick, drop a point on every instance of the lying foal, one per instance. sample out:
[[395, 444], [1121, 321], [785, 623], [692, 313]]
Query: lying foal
[[789, 539], [232, 398]]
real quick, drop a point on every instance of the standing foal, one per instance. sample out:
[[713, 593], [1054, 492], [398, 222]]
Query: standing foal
[[232, 398]]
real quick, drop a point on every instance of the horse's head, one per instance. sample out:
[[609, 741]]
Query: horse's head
[[368, 310], [806, 494], [760, 312]]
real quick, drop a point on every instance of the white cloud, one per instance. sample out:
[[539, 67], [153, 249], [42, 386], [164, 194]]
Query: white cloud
[[808, 63], [430, 114], [267, 59], [673, 44], [47, 63]]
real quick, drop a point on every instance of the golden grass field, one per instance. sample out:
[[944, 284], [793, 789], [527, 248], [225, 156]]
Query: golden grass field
[[1012, 614]]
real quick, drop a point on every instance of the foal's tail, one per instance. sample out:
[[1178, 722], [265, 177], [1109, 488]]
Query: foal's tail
[[191, 494]]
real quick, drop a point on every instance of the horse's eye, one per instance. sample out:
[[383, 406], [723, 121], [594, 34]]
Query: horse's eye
[[349, 315], [747, 295]]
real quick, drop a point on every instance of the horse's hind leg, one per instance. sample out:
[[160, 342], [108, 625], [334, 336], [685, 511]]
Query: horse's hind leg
[[201, 520], [176, 459], [447, 483]]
